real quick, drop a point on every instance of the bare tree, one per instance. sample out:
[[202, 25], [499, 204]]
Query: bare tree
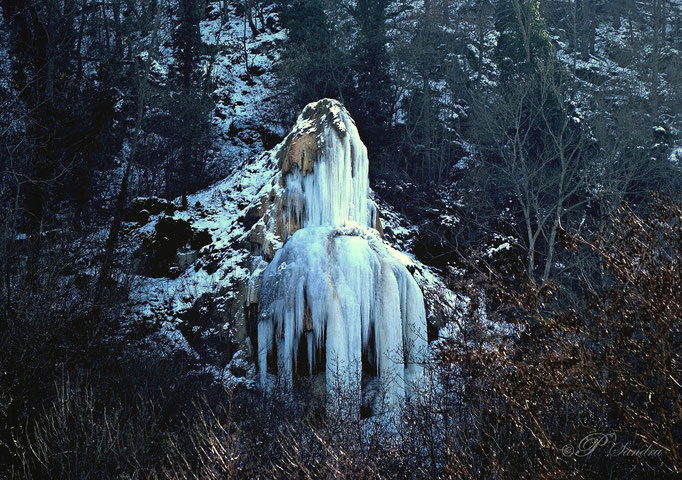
[[141, 70], [537, 155]]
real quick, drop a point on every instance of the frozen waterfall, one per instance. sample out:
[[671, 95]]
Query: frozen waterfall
[[334, 288], [332, 188]]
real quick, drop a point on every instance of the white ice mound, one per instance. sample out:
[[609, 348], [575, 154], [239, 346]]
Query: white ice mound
[[342, 292], [334, 290]]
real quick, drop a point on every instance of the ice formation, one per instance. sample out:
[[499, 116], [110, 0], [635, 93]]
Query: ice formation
[[334, 287]]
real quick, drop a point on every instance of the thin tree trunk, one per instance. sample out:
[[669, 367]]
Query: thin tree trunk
[[261, 17], [105, 19], [112, 239], [9, 259], [246, 52], [531, 254], [50, 52], [655, 59], [575, 35], [79, 43], [118, 41], [249, 15], [591, 27], [481, 47], [550, 245], [585, 21]]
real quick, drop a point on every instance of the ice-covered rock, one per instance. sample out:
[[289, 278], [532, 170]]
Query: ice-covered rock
[[324, 178], [334, 290]]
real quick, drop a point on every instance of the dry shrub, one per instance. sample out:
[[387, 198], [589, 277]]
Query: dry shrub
[[597, 355]]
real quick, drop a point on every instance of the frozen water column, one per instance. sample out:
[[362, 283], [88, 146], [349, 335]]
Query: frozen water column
[[334, 285], [325, 171]]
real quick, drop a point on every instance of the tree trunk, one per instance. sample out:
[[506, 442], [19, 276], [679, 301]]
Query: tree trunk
[[118, 40], [591, 26], [50, 52], [246, 53], [105, 19], [655, 59], [112, 239], [79, 42], [585, 21], [575, 34], [481, 47], [550, 246], [249, 15]]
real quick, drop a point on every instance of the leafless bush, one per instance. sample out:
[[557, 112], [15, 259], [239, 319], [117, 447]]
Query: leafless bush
[[601, 363], [212, 450], [78, 436], [531, 374]]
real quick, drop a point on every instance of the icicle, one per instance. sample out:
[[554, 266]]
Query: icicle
[[311, 353]]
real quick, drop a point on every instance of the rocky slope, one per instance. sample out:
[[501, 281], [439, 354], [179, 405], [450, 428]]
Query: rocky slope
[[202, 265]]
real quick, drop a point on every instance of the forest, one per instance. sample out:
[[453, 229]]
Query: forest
[[340, 239]]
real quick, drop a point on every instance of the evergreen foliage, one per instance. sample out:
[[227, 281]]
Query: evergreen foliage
[[310, 58], [523, 44]]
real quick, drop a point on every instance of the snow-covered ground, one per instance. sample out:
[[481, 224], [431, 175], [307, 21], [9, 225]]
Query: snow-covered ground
[[246, 118]]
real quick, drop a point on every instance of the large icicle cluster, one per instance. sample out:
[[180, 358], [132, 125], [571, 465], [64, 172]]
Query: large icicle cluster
[[334, 285], [337, 190], [325, 171]]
